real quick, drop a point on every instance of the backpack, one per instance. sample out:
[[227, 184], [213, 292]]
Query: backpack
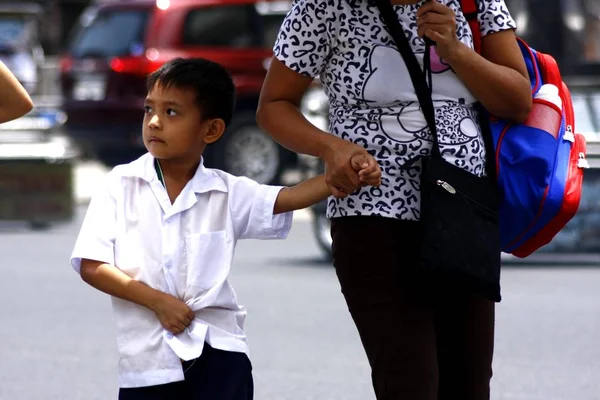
[[540, 163]]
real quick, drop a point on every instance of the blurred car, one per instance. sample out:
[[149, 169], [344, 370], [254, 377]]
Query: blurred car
[[36, 167], [20, 47], [115, 46]]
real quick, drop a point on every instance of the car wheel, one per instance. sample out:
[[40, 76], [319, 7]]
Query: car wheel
[[322, 232], [39, 225], [245, 150]]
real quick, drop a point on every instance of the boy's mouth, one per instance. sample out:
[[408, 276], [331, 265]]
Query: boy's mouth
[[154, 139]]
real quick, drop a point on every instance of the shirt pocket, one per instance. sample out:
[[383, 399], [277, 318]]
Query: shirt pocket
[[207, 259]]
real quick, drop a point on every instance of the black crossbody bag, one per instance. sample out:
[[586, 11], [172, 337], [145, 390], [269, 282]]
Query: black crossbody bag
[[459, 210]]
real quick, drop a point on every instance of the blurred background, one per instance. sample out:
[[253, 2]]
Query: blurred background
[[84, 63]]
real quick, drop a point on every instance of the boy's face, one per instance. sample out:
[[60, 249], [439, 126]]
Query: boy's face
[[173, 126]]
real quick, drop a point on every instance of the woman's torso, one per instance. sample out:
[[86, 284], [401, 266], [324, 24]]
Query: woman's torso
[[372, 99]]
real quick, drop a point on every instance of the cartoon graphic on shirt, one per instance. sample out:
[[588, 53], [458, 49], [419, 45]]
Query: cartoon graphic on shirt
[[404, 123], [438, 65]]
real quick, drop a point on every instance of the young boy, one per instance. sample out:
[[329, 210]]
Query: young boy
[[159, 237]]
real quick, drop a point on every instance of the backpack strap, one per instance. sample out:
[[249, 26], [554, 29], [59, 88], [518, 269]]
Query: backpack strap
[[470, 10]]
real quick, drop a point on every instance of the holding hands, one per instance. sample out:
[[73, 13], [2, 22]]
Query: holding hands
[[348, 167]]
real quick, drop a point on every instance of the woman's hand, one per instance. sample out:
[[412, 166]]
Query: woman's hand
[[497, 77], [437, 22], [340, 175]]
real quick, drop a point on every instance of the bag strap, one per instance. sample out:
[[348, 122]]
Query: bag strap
[[470, 11], [417, 75]]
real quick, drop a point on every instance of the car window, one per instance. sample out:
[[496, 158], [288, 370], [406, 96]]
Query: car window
[[111, 33], [11, 30], [237, 26]]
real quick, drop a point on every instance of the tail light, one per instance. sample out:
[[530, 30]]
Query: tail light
[[136, 65], [66, 63]]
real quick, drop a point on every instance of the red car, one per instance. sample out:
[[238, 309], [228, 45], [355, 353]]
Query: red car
[[117, 43]]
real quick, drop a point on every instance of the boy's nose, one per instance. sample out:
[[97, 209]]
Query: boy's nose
[[154, 122]]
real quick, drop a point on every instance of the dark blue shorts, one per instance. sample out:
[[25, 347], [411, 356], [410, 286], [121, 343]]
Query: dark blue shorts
[[216, 375]]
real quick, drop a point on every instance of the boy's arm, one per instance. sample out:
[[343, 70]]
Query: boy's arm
[[173, 314], [314, 190], [261, 211], [302, 195]]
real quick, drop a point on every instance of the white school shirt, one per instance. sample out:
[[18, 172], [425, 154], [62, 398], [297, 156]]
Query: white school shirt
[[185, 249]]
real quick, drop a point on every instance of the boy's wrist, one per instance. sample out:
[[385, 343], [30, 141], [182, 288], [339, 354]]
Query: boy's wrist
[[153, 299]]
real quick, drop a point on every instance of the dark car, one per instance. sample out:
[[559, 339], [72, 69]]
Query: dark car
[[117, 44]]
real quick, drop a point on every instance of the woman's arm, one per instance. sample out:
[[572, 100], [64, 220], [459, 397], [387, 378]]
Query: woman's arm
[[279, 115], [14, 100], [497, 78], [301, 52], [314, 190]]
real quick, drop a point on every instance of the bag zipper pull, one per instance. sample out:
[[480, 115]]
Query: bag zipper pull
[[569, 136], [446, 186], [582, 162]]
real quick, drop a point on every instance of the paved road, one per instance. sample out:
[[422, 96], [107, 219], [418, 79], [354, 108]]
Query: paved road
[[56, 334]]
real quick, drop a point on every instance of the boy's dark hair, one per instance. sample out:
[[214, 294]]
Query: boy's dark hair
[[215, 92]]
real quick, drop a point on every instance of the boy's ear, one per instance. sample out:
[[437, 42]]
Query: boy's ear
[[214, 131]]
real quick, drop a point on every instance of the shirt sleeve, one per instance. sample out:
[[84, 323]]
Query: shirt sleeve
[[304, 40], [251, 206], [96, 239], [494, 17]]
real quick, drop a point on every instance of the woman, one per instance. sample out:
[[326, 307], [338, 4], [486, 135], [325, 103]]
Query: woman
[[419, 347], [14, 100]]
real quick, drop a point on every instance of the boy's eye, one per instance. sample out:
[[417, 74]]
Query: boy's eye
[[147, 109], [171, 112]]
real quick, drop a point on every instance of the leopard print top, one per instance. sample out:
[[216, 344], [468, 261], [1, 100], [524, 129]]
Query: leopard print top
[[372, 99]]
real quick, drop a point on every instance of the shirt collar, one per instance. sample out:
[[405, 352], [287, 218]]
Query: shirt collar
[[204, 180]]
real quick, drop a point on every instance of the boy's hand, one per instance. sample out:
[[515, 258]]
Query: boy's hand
[[368, 170], [174, 315]]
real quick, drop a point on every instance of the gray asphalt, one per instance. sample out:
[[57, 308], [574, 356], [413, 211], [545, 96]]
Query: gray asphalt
[[57, 338]]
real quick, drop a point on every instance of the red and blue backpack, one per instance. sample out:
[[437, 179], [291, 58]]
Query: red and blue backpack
[[539, 163]]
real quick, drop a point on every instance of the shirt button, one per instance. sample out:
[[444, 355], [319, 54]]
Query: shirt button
[[168, 265], [169, 335]]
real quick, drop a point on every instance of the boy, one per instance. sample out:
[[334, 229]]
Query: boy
[[160, 237]]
